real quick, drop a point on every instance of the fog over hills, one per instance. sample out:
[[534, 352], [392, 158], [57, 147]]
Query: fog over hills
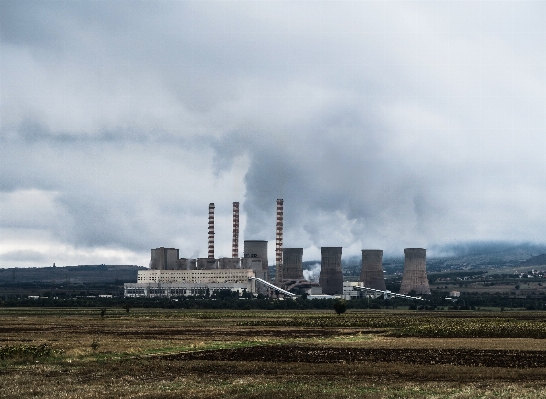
[[464, 255]]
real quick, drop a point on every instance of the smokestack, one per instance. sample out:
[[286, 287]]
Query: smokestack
[[372, 269], [331, 274], [235, 242], [415, 272], [278, 250], [211, 230]]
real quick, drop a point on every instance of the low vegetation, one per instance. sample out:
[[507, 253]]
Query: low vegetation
[[171, 353]]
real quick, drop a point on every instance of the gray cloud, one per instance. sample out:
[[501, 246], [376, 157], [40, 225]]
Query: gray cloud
[[24, 256], [380, 124]]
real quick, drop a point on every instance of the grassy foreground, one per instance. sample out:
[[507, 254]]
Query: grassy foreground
[[154, 353]]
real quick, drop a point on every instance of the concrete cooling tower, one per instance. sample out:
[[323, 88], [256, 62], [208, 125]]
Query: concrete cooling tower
[[292, 264], [415, 272], [372, 269], [331, 274]]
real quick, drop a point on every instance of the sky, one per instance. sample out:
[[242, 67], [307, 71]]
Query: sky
[[382, 125]]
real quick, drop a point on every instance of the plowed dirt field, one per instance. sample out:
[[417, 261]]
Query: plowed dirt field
[[307, 354]]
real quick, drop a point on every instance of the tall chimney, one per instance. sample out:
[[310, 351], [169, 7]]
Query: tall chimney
[[278, 249], [211, 230], [235, 242]]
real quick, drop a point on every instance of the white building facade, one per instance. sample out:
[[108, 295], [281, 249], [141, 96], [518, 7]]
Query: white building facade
[[172, 283]]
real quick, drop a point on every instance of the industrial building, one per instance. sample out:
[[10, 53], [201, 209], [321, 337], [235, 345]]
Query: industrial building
[[357, 290], [168, 283], [164, 259]]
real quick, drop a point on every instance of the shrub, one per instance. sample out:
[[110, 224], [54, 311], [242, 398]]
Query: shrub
[[24, 352]]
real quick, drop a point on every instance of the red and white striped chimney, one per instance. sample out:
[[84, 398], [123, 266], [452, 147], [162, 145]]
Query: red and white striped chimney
[[211, 230], [278, 249], [235, 242]]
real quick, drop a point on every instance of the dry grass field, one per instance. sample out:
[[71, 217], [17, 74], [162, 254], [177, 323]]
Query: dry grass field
[[76, 353]]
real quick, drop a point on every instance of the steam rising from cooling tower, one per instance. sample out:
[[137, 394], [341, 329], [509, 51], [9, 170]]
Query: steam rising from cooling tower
[[372, 269], [415, 272]]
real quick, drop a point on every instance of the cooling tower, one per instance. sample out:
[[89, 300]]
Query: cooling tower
[[372, 269], [331, 274], [415, 272], [292, 264], [257, 249]]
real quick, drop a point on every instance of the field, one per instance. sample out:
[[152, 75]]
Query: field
[[79, 353]]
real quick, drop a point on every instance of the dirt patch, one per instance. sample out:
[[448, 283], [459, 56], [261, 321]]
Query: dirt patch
[[307, 354]]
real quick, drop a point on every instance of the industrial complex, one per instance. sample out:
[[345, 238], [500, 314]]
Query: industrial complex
[[172, 276]]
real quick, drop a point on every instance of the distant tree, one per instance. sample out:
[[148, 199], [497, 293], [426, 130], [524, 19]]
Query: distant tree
[[102, 312], [340, 306], [127, 306]]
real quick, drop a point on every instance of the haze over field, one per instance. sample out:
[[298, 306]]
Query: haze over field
[[381, 125]]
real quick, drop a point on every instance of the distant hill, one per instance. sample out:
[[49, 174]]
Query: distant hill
[[498, 249], [72, 274], [538, 260]]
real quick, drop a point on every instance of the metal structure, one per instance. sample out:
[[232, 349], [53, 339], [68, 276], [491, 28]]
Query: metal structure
[[279, 275], [235, 241], [415, 272], [331, 274], [211, 230], [388, 294], [372, 269], [273, 287]]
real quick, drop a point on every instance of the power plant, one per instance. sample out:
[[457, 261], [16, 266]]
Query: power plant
[[170, 275]]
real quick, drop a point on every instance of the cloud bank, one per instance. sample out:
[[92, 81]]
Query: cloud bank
[[381, 125]]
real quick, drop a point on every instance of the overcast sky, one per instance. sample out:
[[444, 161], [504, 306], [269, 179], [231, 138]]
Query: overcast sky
[[381, 124]]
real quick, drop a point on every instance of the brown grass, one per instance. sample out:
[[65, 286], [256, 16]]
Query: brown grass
[[130, 359]]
